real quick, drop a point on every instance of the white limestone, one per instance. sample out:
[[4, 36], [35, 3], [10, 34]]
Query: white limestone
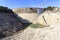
[[49, 18]]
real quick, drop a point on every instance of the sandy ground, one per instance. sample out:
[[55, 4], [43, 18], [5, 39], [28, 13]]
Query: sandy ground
[[46, 33]]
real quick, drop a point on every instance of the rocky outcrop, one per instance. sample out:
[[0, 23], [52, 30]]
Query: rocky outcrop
[[49, 18], [46, 18]]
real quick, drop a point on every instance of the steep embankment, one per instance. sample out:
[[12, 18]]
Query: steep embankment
[[28, 17], [8, 24]]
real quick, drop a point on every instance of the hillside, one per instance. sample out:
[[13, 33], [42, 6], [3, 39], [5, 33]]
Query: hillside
[[27, 10], [44, 26], [8, 25], [51, 32]]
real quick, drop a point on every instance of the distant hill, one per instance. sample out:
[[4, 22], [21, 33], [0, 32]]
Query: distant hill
[[22, 10], [36, 10], [26, 10]]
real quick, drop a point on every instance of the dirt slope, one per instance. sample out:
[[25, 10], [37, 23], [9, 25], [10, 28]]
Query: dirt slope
[[8, 24]]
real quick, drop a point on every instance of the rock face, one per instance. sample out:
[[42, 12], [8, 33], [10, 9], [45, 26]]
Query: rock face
[[8, 24], [47, 33], [49, 18], [28, 17], [46, 18]]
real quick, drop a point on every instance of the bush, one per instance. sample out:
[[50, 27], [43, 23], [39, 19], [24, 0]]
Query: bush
[[5, 9], [50, 8]]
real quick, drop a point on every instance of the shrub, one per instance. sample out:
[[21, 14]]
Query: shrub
[[50, 8], [5, 9]]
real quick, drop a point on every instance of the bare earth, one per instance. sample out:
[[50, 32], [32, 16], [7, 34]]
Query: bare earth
[[47, 33]]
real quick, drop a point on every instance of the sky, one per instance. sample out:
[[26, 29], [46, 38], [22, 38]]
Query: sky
[[29, 3]]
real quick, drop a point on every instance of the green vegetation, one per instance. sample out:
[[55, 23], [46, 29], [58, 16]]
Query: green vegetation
[[5, 9], [50, 8], [37, 25], [25, 25]]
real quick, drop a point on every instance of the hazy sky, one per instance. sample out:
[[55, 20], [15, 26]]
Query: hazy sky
[[29, 3]]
